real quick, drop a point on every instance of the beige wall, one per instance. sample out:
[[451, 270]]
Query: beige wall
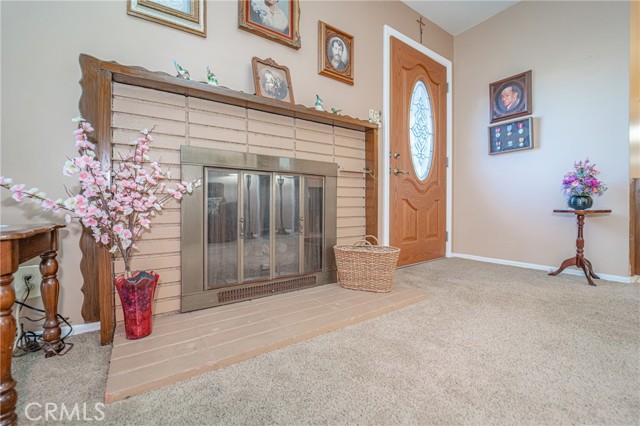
[[502, 204], [41, 42]]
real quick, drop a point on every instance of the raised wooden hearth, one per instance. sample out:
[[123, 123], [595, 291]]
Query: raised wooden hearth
[[187, 345]]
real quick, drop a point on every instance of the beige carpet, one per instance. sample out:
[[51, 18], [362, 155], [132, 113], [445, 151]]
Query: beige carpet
[[490, 345]]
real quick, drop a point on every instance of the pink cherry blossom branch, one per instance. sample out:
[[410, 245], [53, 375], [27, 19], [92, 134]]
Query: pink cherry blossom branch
[[115, 204]]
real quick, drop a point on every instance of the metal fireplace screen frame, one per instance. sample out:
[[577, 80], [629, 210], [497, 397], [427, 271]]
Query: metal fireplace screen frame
[[195, 161]]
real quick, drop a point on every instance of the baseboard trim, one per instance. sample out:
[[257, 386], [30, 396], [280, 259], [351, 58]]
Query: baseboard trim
[[577, 272], [76, 329]]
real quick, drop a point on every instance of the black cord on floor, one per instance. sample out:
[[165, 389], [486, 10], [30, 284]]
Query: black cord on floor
[[28, 341]]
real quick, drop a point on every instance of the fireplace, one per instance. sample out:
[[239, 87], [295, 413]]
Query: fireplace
[[119, 100], [261, 225]]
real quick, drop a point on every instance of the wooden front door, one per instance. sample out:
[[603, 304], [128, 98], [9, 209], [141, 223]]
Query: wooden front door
[[418, 155]]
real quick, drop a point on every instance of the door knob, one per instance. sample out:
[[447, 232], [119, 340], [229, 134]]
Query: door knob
[[396, 155], [397, 171]]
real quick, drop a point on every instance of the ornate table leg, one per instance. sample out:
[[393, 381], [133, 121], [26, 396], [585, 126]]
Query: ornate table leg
[[579, 260], [8, 394], [49, 289], [572, 261], [582, 265], [590, 268], [582, 261]]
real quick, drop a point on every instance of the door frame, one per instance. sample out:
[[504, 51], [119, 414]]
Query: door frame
[[386, 144]]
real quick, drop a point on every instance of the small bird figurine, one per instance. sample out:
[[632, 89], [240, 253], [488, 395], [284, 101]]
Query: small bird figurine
[[335, 111], [375, 117], [182, 73], [319, 106], [211, 78]]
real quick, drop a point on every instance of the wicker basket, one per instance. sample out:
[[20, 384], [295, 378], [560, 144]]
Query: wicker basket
[[364, 266]]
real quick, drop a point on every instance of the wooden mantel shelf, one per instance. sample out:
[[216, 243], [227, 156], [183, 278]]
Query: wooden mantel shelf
[[138, 76], [95, 106]]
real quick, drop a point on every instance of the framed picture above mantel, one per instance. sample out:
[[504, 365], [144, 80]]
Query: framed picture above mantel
[[272, 80], [277, 20], [335, 53], [184, 15]]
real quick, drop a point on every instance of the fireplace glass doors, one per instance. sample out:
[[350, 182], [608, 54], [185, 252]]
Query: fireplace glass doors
[[262, 226]]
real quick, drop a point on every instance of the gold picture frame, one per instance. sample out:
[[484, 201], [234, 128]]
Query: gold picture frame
[[336, 53], [186, 15], [272, 80], [279, 22]]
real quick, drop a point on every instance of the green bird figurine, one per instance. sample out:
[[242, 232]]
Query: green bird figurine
[[211, 78], [319, 106], [335, 111], [182, 73]]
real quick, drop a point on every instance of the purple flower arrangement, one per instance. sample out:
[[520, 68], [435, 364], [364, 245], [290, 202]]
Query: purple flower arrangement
[[582, 181]]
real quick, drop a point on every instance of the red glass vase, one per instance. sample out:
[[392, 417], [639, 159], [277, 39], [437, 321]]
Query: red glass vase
[[136, 294]]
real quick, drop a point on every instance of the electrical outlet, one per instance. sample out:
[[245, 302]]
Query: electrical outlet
[[20, 286]]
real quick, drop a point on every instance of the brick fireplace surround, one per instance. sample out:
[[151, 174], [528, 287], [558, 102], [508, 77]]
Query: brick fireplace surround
[[120, 100]]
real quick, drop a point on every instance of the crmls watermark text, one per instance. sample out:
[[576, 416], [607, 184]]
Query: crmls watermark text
[[49, 411]]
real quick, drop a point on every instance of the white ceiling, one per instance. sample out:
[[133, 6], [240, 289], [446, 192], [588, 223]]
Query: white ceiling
[[457, 16]]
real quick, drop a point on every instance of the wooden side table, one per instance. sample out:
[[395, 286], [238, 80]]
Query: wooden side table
[[579, 260], [18, 244]]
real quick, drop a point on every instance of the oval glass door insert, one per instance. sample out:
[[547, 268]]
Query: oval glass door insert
[[421, 130]]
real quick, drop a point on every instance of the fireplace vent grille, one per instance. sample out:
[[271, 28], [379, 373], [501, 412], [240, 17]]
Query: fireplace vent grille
[[254, 291]]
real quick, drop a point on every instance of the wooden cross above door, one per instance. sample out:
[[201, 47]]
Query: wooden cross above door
[[422, 24]]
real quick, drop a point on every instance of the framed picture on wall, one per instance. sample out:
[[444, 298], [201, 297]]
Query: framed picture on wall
[[277, 20], [510, 97], [185, 15], [510, 136], [272, 80], [335, 53]]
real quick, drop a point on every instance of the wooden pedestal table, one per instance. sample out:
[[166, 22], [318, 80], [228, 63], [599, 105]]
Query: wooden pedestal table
[[18, 244], [579, 260]]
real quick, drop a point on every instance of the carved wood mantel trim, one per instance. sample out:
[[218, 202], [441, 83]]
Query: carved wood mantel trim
[[95, 265], [95, 106]]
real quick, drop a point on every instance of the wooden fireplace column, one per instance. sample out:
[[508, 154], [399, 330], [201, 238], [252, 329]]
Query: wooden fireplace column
[[95, 106], [95, 265]]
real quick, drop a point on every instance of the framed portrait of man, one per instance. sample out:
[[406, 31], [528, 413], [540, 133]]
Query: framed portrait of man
[[335, 53], [510, 97], [272, 80], [277, 20]]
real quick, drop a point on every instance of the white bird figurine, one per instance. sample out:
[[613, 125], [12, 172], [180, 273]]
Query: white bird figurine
[[211, 78], [182, 72], [319, 106]]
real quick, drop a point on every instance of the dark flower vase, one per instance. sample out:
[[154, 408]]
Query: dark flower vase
[[580, 202], [136, 295]]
